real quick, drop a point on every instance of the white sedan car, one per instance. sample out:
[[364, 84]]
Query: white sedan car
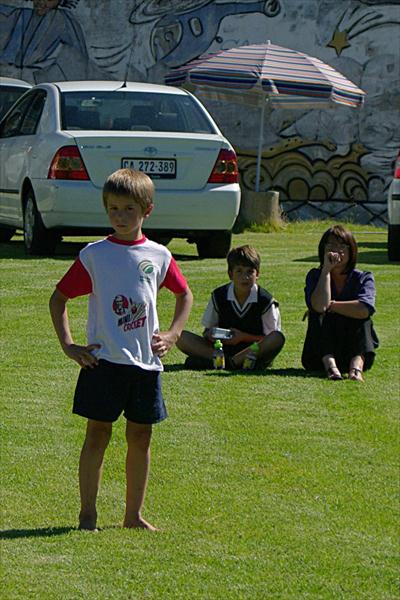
[[60, 141]]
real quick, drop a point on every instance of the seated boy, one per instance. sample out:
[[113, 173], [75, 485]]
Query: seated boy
[[249, 311]]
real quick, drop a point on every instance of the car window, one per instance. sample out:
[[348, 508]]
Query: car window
[[133, 111], [8, 95], [11, 125], [32, 116]]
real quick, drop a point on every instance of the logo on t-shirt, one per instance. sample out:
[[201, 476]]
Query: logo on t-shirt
[[146, 266], [131, 315], [120, 304]]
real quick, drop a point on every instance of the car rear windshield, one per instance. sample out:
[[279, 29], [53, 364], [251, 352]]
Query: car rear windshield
[[133, 111]]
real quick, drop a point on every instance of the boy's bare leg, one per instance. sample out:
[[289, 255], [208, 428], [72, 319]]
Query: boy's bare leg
[[270, 346], [138, 438], [98, 435], [194, 345]]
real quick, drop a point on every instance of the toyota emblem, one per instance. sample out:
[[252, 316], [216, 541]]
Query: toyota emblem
[[151, 150]]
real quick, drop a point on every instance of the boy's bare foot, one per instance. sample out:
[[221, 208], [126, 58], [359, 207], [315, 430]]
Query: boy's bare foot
[[139, 523], [88, 522], [87, 527]]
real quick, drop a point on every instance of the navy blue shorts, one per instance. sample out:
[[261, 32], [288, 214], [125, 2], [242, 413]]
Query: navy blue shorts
[[108, 390]]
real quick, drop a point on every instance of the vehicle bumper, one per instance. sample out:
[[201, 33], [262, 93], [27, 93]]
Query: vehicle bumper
[[74, 204], [394, 202], [394, 210]]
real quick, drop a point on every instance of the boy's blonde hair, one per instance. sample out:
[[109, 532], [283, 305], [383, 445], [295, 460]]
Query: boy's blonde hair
[[133, 184], [245, 256]]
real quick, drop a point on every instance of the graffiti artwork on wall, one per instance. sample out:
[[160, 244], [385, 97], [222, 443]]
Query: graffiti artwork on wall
[[43, 42], [357, 21], [184, 30], [181, 30], [373, 23], [304, 172], [301, 169], [50, 40], [193, 28]]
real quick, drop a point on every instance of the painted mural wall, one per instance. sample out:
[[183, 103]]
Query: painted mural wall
[[334, 161]]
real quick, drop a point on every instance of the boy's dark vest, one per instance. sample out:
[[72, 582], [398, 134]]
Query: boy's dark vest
[[248, 320]]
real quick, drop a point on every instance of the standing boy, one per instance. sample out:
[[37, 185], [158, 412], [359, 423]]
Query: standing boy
[[248, 310], [120, 365]]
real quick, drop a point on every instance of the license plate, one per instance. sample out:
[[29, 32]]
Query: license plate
[[160, 168]]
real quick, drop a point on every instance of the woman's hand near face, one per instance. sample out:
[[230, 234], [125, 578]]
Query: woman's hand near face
[[331, 260]]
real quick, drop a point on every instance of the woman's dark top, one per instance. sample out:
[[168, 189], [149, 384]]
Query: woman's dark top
[[360, 285]]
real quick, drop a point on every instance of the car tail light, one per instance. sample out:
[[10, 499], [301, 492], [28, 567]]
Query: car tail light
[[397, 167], [225, 169], [67, 164]]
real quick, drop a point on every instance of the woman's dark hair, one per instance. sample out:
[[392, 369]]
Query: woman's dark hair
[[343, 236]]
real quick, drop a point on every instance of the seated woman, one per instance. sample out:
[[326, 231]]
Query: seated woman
[[340, 300]]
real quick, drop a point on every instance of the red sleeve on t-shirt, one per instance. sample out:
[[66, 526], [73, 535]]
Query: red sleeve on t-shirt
[[76, 281], [174, 280]]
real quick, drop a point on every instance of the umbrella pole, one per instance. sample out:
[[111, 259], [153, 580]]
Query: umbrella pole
[[260, 146]]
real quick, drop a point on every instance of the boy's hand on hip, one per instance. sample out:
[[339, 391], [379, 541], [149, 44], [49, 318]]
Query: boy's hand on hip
[[162, 342], [82, 355]]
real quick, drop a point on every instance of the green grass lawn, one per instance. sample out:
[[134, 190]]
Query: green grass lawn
[[265, 486]]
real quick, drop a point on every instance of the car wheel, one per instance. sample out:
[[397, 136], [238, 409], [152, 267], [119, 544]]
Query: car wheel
[[6, 233], [394, 242], [38, 240], [215, 245]]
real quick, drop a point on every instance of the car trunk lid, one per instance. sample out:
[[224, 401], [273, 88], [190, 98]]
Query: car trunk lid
[[173, 160]]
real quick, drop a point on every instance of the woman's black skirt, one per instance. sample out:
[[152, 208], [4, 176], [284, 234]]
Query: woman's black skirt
[[340, 336]]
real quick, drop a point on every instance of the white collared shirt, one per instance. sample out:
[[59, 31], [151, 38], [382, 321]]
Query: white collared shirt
[[271, 319]]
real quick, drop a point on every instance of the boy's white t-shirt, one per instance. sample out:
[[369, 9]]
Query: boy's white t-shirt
[[122, 280]]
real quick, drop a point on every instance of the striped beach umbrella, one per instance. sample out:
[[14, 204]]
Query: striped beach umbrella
[[266, 74]]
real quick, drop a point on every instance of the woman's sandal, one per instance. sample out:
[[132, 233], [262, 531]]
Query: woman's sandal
[[355, 374], [334, 374]]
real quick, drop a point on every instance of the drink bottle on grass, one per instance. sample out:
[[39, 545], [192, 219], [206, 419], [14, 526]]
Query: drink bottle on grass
[[250, 359], [218, 356]]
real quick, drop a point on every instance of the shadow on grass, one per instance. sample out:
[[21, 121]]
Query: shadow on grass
[[173, 368], [377, 257], [13, 534], [65, 250], [186, 257], [9, 534], [382, 245], [16, 250], [288, 372]]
